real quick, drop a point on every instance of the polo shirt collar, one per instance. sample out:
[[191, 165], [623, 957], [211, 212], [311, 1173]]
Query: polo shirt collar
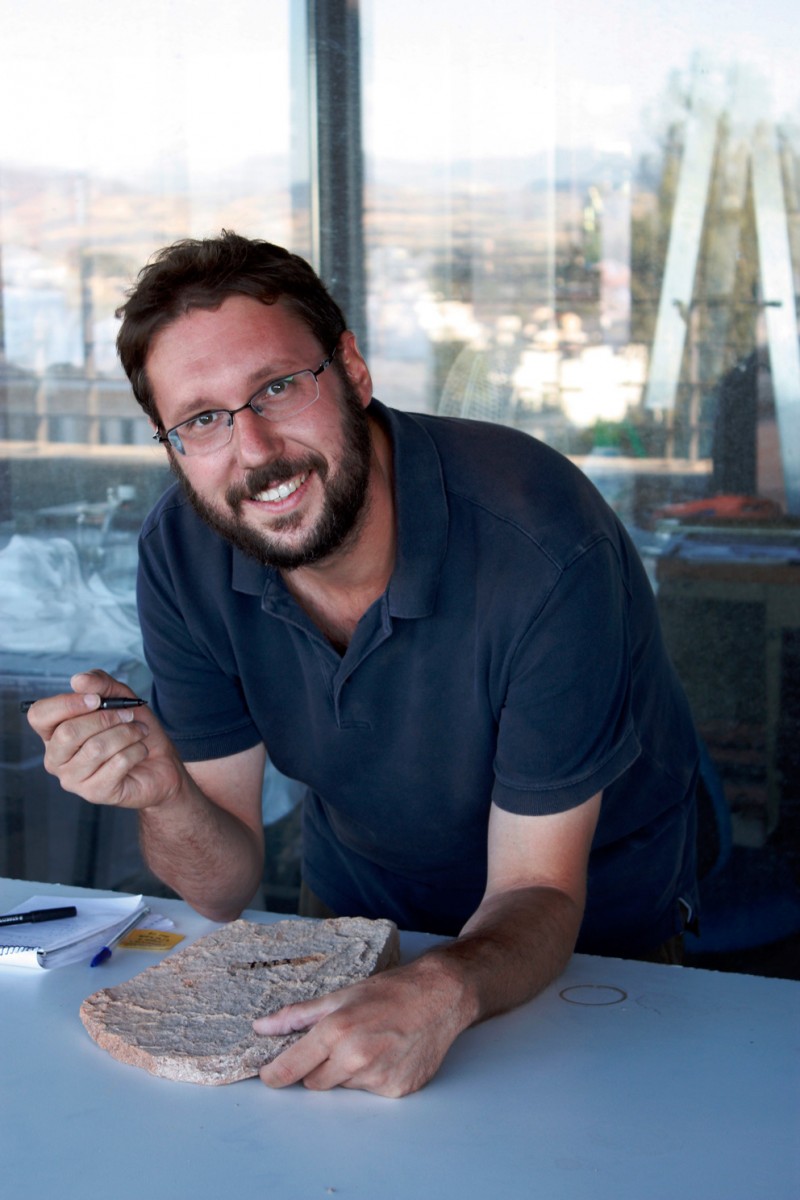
[[422, 523], [422, 514]]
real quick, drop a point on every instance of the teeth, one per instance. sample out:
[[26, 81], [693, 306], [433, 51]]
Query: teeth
[[282, 490]]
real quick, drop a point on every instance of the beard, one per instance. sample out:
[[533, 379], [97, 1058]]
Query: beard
[[344, 499]]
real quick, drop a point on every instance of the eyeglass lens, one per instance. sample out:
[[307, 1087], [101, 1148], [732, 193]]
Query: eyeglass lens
[[281, 399]]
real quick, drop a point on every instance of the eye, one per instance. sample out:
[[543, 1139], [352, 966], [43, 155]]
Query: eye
[[206, 420], [278, 387]]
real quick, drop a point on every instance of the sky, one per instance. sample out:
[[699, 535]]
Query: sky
[[111, 84], [118, 87], [548, 59]]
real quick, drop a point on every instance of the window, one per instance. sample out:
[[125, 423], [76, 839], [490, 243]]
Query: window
[[584, 223], [580, 222], [125, 128]]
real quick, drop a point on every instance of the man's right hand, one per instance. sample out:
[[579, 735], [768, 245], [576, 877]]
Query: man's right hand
[[200, 825], [120, 757]]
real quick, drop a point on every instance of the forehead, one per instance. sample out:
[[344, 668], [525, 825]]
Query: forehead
[[211, 356]]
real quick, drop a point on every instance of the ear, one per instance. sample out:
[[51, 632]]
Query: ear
[[356, 370]]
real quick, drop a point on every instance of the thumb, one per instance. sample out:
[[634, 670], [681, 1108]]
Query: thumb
[[99, 682]]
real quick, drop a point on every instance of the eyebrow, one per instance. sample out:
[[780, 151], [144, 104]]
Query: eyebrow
[[257, 380]]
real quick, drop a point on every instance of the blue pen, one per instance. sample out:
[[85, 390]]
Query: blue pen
[[105, 953]]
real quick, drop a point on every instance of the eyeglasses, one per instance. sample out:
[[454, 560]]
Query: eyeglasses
[[278, 401]]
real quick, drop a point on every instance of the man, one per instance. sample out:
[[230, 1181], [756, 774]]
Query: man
[[436, 624]]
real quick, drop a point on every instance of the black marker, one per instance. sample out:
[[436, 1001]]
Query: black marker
[[109, 702], [39, 914]]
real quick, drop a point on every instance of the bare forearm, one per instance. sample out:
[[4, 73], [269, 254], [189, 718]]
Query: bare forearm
[[389, 1034], [200, 823], [514, 945], [207, 855]]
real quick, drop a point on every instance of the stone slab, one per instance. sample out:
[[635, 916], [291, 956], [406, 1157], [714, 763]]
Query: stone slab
[[190, 1017]]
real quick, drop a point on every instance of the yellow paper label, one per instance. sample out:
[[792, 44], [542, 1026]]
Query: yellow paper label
[[151, 939]]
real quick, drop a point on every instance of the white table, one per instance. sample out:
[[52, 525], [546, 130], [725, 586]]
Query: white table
[[669, 1084]]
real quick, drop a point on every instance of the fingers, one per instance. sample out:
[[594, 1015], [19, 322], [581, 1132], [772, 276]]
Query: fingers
[[335, 1054], [95, 752], [382, 1034], [90, 689], [326, 1058], [296, 1063], [305, 1056], [92, 738], [296, 1016]]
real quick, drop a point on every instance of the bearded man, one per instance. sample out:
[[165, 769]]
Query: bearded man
[[437, 625]]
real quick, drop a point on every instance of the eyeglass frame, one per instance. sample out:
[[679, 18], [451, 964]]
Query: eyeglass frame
[[165, 438]]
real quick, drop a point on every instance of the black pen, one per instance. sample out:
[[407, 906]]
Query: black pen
[[108, 702], [39, 914]]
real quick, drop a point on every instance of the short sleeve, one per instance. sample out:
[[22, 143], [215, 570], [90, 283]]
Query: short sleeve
[[566, 730], [196, 695]]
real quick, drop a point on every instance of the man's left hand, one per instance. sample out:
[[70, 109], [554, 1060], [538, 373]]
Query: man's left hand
[[387, 1034]]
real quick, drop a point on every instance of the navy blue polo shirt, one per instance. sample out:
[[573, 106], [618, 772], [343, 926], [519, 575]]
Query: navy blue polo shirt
[[514, 657]]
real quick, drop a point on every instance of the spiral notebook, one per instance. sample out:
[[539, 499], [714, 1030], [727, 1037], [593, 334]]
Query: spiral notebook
[[99, 922]]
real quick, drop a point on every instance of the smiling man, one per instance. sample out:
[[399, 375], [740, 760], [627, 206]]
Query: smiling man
[[270, 513], [437, 625]]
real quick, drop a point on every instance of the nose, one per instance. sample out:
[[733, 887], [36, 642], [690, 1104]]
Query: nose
[[254, 438]]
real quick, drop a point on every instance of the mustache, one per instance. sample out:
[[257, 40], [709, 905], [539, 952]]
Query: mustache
[[281, 470]]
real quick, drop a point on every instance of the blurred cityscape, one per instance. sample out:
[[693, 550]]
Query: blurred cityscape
[[535, 292], [525, 292]]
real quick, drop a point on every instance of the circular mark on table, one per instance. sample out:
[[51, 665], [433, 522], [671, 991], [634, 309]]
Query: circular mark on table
[[593, 994]]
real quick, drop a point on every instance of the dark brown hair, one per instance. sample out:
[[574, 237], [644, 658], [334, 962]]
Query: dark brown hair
[[196, 273]]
